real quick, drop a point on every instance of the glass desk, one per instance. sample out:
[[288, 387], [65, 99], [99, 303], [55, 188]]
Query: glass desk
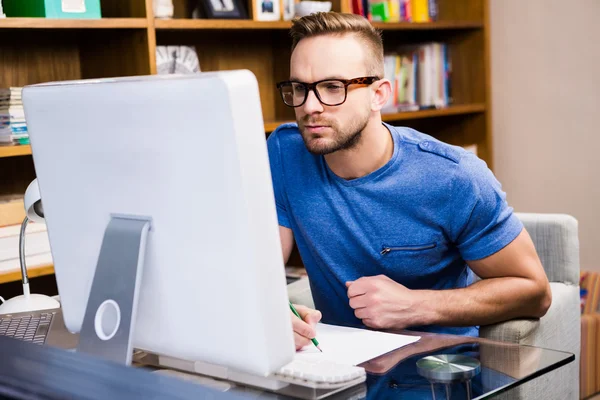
[[502, 366], [50, 372]]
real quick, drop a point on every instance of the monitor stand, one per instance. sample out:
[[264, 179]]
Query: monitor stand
[[108, 324]]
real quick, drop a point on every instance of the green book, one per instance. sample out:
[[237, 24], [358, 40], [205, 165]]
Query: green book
[[65, 9], [380, 12]]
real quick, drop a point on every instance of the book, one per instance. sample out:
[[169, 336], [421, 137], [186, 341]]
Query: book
[[420, 11], [420, 77], [13, 127]]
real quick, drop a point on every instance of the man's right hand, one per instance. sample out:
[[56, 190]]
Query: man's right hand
[[304, 330]]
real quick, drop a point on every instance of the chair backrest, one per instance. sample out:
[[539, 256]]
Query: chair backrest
[[556, 240]]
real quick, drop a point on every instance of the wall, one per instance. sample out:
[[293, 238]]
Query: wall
[[545, 65]]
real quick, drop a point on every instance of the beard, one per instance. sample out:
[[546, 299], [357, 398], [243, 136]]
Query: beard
[[342, 138]]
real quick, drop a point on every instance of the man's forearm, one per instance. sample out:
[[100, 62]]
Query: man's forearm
[[485, 302]]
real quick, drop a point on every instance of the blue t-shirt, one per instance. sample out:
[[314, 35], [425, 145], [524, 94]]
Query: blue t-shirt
[[416, 219]]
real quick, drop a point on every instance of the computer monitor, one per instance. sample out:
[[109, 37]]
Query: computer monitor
[[189, 153]]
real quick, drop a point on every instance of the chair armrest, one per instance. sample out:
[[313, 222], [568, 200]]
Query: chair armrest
[[513, 331], [558, 329]]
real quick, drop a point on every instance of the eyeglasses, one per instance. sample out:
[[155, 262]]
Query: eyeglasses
[[330, 92]]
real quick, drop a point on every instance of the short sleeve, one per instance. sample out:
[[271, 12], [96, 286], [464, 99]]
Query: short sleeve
[[482, 222], [274, 150]]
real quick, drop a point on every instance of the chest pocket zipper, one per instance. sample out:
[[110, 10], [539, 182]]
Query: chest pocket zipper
[[385, 250]]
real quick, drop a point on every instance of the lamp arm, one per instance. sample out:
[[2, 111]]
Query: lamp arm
[[24, 276]]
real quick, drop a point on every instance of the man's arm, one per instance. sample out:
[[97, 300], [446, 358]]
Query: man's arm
[[513, 285], [287, 242], [304, 329]]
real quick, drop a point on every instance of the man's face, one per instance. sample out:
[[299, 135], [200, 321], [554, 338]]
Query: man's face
[[327, 129]]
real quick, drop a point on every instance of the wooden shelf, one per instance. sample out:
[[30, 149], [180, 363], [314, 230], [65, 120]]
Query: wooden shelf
[[12, 151], [32, 272], [190, 24], [462, 109], [47, 23], [439, 25]]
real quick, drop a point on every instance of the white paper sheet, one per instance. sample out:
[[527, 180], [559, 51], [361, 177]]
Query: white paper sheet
[[352, 346]]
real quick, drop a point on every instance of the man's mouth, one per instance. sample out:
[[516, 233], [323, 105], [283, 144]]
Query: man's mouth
[[315, 128]]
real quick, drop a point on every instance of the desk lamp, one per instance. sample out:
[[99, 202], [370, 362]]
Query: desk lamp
[[28, 302]]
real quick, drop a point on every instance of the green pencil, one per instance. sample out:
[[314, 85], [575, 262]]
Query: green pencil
[[314, 340]]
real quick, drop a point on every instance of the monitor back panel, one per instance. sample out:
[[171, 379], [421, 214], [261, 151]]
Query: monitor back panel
[[190, 153]]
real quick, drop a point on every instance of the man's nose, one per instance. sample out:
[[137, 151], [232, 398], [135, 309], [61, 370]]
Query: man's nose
[[312, 103]]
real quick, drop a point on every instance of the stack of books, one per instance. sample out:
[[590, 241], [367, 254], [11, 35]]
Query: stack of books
[[420, 77], [13, 129], [396, 10]]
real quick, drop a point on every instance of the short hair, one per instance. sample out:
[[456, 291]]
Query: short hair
[[334, 23]]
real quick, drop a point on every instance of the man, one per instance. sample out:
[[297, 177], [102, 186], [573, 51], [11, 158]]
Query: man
[[391, 224]]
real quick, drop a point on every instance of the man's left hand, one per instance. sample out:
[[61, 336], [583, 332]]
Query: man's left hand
[[382, 303]]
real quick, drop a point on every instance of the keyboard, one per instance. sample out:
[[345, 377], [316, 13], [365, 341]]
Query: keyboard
[[320, 374], [27, 328], [312, 374]]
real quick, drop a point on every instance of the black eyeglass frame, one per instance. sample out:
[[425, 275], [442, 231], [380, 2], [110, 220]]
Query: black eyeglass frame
[[364, 80]]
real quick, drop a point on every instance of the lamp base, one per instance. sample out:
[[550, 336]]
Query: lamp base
[[28, 303]]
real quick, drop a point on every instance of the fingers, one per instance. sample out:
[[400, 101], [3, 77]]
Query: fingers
[[309, 315], [356, 288], [358, 302], [313, 318], [301, 327], [362, 313], [304, 330], [371, 323], [300, 341]]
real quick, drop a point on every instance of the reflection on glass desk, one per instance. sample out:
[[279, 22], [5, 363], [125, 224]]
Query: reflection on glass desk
[[502, 366]]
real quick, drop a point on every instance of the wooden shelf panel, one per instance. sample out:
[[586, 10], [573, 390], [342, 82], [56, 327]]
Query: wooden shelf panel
[[438, 25], [462, 109], [190, 24], [442, 112], [48, 23], [32, 272], [12, 151]]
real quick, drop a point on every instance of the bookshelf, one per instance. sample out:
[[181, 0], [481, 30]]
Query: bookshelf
[[123, 43], [43, 23]]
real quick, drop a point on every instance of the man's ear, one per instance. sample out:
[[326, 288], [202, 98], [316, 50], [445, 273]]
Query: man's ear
[[381, 94]]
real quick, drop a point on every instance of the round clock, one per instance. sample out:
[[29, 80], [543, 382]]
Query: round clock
[[176, 60]]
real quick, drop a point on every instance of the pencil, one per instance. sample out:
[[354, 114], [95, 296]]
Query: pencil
[[314, 340]]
